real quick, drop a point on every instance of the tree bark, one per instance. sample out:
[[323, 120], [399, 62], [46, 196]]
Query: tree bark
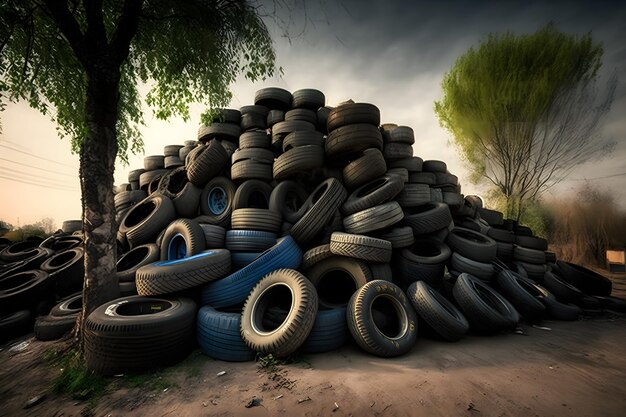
[[97, 164]]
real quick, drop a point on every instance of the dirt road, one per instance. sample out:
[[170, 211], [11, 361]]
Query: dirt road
[[574, 369]]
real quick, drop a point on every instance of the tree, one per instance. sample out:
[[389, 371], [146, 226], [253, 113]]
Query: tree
[[81, 62], [525, 110]]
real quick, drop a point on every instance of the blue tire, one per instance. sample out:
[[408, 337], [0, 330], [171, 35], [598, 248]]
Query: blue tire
[[219, 337], [234, 289], [249, 240], [330, 331], [243, 259]]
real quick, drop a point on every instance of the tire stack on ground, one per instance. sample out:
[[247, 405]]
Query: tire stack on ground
[[295, 226], [35, 274]]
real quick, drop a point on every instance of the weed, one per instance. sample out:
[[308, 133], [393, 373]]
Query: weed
[[155, 381], [76, 380]]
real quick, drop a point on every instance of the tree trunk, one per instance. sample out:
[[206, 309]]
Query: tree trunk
[[97, 164]]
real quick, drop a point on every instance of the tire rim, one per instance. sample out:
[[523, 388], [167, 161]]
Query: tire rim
[[177, 248], [400, 313], [217, 200], [263, 302]]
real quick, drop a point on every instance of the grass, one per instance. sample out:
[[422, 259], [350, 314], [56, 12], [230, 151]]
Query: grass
[[270, 363], [75, 379]]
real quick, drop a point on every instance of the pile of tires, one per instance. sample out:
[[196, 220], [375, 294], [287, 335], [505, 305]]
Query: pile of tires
[[292, 226], [36, 274]]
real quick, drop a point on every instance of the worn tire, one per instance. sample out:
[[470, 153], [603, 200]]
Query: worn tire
[[399, 333], [375, 192], [145, 220], [289, 199], [137, 333], [336, 278], [369, 166], [522, 294], [216, 201], [166, 277], [472, 244], [352, 139], [437, 312], [329, 331], [182, 238], [207, 163], [284, 288], [428, 218], [256, 219], [219, 337], [353, 113], [360, 247]]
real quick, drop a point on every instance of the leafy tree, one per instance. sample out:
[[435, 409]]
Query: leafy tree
[[525, 110], [80, 62]]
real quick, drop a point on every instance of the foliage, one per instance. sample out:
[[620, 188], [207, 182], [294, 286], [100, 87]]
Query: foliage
[[75, 379], [525, 110], [185, 51], [584, 225], [42, 228]]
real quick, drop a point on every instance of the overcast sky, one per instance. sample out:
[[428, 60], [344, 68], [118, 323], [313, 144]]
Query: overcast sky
[[389, 53]]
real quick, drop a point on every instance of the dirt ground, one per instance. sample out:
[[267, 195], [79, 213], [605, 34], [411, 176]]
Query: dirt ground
[[566, 369]]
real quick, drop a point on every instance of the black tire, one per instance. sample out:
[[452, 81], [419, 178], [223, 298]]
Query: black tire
[[414, 195], [531, 256], [61, 243], [492, 217], [249, 240], [428, 218], [128, 288], [472, 244], [265, 156], [399, 332], [145, 220], [273, 98], [412, 165], [252, 194], [233, 289], [152, 162], [184, 194], [161, 332], [216, 201], [302, 114], [24, 290], [373, 218], [532, 242], [360, 247], [375, 192], [231, 116], [534, 271], [504, 251], [273, 117], [251, 121], [437, 312], [329, 332], [254, 109], [352, 139], [256, 219], [381, 270], [425, 260], [18, 251], [251, 169], [70, 306], [219, 336], [501, 235], [323, 203], [522, 294], [303, 138], [481, 270], [300, 160], [315, 255], [213, 235], [400, 134], [563, 290], [166, 277], [173, 162], [308, 98], [284, 288], [369, 166], [353, 113], [53, 328], [207, 163], [428, 178], [34, 261], [397, 151], [282, 129], [485, 309], [150, 177], [67, 269], [219, 130], [183, 238], [289, 199], [434, 166], [452, 199], [586, 280], [133, 176], [336, 279], [255, 139], [560, 311], [400, 237]]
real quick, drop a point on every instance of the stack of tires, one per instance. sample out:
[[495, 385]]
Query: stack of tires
[[36, 274]]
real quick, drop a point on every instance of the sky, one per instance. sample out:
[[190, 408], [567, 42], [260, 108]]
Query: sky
[[391, 53]]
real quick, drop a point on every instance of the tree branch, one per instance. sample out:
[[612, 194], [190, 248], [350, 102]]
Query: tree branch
[[68, 25], [127, 26]]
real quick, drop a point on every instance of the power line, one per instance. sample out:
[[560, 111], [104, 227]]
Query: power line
[[49, 186], [36, 156], [30, 176], [36, 167]]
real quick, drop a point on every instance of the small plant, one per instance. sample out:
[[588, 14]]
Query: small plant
[[76, 380]]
